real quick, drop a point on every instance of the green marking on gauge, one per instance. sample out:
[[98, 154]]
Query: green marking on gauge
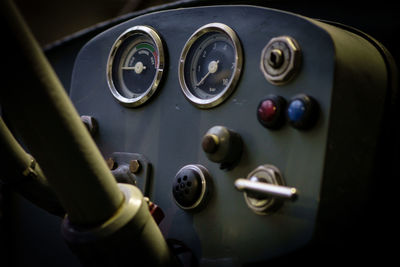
[[135, 65], [150, 48]]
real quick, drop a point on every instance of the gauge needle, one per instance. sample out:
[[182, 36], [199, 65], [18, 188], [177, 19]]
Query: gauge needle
[[138, 68], [212, 68]]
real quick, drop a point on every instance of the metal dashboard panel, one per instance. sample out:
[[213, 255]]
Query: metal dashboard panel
[[168, 130]]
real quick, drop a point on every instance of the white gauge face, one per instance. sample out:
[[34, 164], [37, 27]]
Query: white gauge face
[[210, 65], [135, 66]]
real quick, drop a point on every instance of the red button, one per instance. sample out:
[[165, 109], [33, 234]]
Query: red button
[[271, 111], [267, 111]]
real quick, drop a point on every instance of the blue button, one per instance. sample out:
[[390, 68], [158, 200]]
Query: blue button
[[296, 110]]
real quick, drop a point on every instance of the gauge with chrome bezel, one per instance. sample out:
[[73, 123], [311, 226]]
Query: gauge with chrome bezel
[[210, 65], [135, 65]]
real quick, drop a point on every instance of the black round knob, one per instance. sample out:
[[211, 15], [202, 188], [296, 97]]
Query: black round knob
[[190, 186], [210, 143], [222, 145]]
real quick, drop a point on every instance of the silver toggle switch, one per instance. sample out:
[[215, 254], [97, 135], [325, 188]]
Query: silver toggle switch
[[264, 189]]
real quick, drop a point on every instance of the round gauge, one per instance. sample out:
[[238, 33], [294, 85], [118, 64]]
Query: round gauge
[[210, 65], [135, 65]]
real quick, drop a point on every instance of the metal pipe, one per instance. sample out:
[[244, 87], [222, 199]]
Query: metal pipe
[[24, 175], [36, 103], [11, 148]]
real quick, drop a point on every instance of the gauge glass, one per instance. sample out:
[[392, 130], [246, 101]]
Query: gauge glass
[[210, 65], [135, 65]]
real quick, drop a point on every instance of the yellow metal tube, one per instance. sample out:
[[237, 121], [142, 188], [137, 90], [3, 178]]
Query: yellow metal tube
[[36, 103]]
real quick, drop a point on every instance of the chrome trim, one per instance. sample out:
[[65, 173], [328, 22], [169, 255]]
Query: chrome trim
[[137, 101], [218, 99]]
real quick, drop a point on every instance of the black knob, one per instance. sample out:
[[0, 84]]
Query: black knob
[[210, 143], [190, 187], [222, 145]]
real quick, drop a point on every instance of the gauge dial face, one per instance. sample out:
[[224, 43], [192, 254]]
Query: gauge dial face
[[210, 65], [135, 65]]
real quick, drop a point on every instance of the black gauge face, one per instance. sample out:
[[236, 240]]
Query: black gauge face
[[210, 65], [135, 66]]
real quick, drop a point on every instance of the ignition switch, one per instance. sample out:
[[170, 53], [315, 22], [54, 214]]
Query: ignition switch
[[280, 60]]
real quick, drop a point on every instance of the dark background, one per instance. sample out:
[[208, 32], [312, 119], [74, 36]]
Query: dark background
[[51, 20]]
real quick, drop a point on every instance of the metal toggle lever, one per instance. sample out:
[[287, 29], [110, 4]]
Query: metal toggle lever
[[264, 190]]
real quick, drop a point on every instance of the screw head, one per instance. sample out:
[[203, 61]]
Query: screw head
[[91, 124], [134, 166], [112, 165]]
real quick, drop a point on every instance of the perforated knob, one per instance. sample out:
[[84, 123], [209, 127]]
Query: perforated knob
[[187, 187], [191, 186]]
